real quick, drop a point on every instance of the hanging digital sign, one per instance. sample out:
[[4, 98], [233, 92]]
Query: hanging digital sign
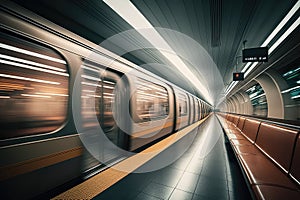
[[259, 54], [238, 76]]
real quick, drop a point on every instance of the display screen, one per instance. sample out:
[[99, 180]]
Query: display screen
[[259, 54]]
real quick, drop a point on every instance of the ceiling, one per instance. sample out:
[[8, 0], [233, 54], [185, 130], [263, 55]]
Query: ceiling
[[220, 27]]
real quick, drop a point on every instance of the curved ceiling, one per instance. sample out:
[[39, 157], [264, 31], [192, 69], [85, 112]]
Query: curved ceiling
[[220, 27]]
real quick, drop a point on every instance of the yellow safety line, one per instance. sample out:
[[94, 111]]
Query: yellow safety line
[[102, 181]]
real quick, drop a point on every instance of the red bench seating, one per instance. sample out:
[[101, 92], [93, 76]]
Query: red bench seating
[[269, 155]]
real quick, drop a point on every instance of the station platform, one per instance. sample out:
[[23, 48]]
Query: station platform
[[206, 169]]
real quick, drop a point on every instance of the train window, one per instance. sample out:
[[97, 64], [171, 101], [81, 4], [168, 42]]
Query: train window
[[91, 93], [151, 102], [108, 101], [196, 109], [182, 103], [258, 100], [291, 73], [33, 88]]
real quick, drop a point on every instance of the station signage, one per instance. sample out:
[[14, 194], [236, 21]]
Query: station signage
[[238, 76], [259, 54]]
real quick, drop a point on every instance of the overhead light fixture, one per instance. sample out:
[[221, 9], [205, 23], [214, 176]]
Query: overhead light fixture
[[135, 18], [283, 22], [296, 97], [288, 90], [256, 97]]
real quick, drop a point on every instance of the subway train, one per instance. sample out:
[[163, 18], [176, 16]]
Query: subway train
[[51, 80]]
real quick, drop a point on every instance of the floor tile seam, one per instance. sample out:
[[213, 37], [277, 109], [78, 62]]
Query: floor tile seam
[[185, 190], [188, 165], [180, 190], [193, 172], [199, 180], [227, 162], [171, 193], [194, 148], [150, 195], [163, 184]]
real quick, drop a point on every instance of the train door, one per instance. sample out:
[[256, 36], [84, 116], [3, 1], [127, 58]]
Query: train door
[[182, 109], [192, 109], [109, 109], [99, 107], [196, 109], [201, 110]]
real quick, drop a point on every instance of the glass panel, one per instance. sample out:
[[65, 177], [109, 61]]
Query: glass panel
[[33, 88], [292, 77], [182, 101], [108, 101], [152, 101], [291, 74], [196, 109], [91, 95], [258, 100]]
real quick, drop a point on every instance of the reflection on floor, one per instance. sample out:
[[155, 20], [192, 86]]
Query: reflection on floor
[[207, 170]]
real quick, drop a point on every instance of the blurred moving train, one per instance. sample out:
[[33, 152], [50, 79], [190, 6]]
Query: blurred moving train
[[40, 147]]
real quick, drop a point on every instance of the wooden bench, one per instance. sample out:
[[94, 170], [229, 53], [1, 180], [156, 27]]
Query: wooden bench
[[269, 155]]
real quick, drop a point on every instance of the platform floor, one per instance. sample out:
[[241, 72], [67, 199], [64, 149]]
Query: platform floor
[[207, 170]]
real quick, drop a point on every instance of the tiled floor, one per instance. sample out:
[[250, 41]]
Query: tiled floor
[[207, 170]]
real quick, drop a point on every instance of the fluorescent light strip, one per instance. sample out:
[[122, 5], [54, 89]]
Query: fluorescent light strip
[[133, 16], [250, 69], [285, 35], [32, 68], [28, 79], [272, 35], [152, 95], [4, 97], [90, 84], [291, 72], [108, 97], [232, 84], [257, 96], [290, 89], [108, 87], [52, 94], [251, 88], [298, 82], [31, 63], [295, 97], [91, 78], [246, 66], [163, 94], [144, 86], [92, 95], [34, 95], [253, 95], [109, 82], [90, 69], [88, 91], [277, 43], [282, 23], [30, 53]]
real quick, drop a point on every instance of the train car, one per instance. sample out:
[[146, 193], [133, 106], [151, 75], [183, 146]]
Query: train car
[[55, 86]]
